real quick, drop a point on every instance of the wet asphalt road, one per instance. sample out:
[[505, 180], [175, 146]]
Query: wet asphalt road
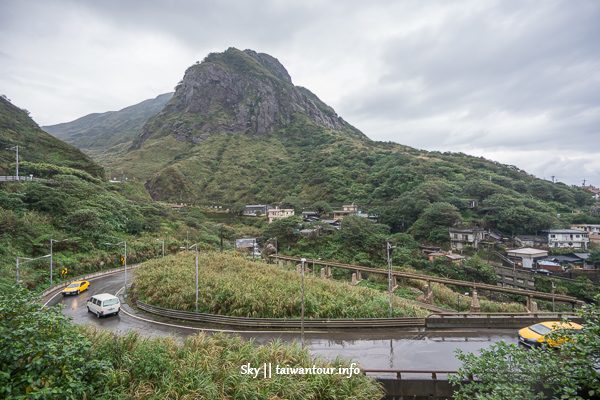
[[407, 349]]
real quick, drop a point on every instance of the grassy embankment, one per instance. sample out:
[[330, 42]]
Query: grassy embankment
[[210, 367], [243, 288]]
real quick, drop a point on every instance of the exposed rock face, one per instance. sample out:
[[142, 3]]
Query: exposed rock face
[[236, 92]]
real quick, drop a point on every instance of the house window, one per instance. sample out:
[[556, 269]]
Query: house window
[[552, 236]]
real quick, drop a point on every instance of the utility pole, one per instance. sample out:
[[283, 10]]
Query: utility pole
[[302, 320]]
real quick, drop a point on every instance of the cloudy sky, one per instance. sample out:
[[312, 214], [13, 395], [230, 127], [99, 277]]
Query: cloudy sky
[[515, 81]]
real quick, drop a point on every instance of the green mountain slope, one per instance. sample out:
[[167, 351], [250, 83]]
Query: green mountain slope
[[108, 135], [35, 145], [237, 130]]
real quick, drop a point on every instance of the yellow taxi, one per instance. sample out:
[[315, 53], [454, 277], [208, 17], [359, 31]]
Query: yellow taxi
[[75, 288], [535, 335]]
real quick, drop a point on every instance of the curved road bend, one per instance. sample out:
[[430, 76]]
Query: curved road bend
[[406, 349]]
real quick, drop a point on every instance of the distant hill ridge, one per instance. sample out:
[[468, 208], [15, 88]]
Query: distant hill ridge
[[237, 130], [107, 135], [35, 145]]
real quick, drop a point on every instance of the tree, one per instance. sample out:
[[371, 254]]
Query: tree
[[507, 371], [292, 202], [439, 214], [322, 208], [42, 356], [594, 257], [284, 228]]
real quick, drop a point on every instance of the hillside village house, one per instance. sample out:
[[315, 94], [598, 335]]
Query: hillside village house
[[277, 213], [527, 256], [462, 237], [589, 228], [571, 238], [254, 210], [350, 209], [595, 191]]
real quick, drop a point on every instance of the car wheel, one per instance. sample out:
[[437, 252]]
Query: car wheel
[[98, 314], [89, 309], [78, 292]]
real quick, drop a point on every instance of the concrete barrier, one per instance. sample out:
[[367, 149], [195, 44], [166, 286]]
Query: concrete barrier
[[496, 322]]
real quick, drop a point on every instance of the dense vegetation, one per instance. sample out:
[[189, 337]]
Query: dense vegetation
[[238, 287], [89, 214], [43, 356], [509, 371]]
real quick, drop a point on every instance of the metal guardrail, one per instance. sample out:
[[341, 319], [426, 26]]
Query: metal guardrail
[[399, 372], [280, 322], [429, 278], [19, 179], [559, 314]]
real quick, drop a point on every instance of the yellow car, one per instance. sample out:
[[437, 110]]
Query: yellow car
[[75, 288], [535, 335]]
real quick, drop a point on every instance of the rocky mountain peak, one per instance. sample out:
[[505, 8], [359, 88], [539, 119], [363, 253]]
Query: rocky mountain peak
[[240, 92]]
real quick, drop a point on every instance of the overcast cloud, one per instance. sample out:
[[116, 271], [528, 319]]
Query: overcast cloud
[[513, 81]]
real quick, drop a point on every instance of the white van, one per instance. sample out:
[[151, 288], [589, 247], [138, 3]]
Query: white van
[[103, 304]]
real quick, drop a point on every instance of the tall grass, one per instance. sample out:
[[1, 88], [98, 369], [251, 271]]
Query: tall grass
[[209, 367], [236, 286]]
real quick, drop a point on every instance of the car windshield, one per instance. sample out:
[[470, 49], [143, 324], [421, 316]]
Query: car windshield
[[111, 302], [540, 329], [73, 285]]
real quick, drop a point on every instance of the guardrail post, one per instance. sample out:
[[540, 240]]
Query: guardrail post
[[354, 282], [322, 273], [475, 307]]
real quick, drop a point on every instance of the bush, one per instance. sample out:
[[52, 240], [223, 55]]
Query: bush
[[42, 356]]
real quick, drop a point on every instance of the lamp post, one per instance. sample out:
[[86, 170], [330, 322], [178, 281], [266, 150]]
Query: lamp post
[[16, 148], [124, 244], [458, 297], [51, 241], [302, 317], [187, 234], [28, 260], [389, 259], [163, 246], [196, 246]]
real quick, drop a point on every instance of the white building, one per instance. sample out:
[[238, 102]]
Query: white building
[[277, 213], [460, 238], [571, 238], [526, 255]]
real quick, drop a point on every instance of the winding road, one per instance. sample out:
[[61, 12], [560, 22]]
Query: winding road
[[403, 349]]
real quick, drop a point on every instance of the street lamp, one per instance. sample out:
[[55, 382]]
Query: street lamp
[[163, 246], [51, 241], [458, 297], [302, 319], [16, 148], [124, 244], [196, 246], [389, 259], [187, 234], [28, 260]]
